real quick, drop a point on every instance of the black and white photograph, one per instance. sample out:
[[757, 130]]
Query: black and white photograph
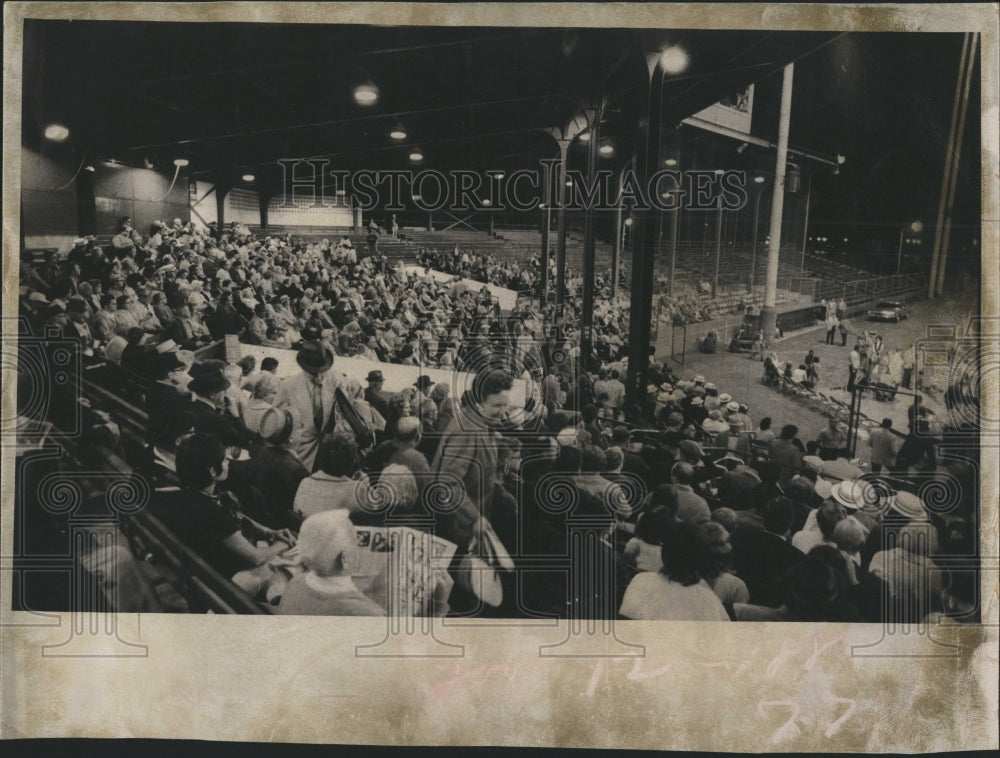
[[537, 329]]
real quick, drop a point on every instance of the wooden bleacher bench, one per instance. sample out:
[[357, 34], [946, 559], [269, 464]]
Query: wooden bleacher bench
[[204, 588]]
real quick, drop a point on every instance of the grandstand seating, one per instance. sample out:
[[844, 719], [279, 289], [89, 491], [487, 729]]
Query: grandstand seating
[[694, 262], [202, 587]]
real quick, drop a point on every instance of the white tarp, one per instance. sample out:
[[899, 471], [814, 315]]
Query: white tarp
[[507, 298]]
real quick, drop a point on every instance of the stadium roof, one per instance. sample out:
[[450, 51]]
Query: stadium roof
[[235, 98]]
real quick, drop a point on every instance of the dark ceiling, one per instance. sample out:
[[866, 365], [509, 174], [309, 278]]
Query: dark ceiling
[[236, 98]]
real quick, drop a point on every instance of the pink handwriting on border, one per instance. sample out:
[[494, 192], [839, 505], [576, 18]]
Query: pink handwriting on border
[[787, 651], [477, 675]]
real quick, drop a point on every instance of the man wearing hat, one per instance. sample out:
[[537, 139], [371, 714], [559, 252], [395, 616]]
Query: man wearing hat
[[165, 398], [76, 328], [422, 384], [374, 395], [207, 389], [310, 396], [275, 470]]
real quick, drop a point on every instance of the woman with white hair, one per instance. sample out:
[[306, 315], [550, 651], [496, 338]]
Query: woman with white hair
[[375, 420], [234, 400], [262, 393], [328, 551]]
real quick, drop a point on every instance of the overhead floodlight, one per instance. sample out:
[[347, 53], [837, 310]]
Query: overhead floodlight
[[416, 156], [248, 177], [397, 134], [759, 179], [670, 162], [56, 132], [674, 59], [366, 94], [91, 169], [606, 150], [584, 137], [181, 162]]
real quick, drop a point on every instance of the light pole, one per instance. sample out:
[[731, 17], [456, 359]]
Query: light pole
[[768, 313], [672, 61], [619, 229], [805, 226], [718, 246], [759, 181]]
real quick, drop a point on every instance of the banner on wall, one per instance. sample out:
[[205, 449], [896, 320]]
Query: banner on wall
[[201, 201]]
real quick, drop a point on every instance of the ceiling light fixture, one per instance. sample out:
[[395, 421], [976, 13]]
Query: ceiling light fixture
[[670, 162], [56, 132], [181, 162], [366, 94], [606, 150], [248, 177], [397, 134], [416, 156], [674, 59]]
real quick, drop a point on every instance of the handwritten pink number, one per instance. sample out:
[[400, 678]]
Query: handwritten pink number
[[852, 706], [796, 709]]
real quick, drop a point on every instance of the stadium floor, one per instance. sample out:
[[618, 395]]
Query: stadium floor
[[736, 374]]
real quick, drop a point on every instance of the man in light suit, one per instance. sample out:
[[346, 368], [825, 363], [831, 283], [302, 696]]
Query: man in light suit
[[310, 396]]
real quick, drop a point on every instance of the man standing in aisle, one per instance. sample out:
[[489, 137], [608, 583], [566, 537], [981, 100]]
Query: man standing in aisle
[[853, 365], [831, 326], [310, 396]]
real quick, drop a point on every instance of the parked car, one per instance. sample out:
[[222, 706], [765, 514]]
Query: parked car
[[888, 310]]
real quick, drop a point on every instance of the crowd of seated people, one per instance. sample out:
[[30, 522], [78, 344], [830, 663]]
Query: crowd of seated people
[[684, 306], [706, 514], [481, 267]]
